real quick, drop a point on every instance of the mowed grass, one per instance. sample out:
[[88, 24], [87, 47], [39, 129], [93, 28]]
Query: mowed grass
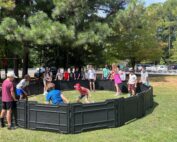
[[159, 124], [72, 96]]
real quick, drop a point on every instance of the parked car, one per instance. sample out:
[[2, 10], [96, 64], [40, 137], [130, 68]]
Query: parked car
[[172, 67], [162, 68]]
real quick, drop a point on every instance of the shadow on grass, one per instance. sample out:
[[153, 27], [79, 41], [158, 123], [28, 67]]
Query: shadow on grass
[[158, 79], [149, 111]]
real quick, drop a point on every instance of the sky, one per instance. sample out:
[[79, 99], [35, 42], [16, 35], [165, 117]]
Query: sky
[[148, 2]]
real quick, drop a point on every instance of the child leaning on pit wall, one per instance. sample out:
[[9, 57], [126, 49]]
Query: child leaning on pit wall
[[144, 77], [22, 87], [55, 95], [84, 92]]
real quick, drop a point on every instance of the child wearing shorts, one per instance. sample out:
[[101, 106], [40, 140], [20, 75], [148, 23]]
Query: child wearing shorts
[[21, 86], [132, 83], [84, 92]]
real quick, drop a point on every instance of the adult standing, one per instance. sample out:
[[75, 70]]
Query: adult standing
[[8, 96], [91, 77], [106, 73], [144, 77]]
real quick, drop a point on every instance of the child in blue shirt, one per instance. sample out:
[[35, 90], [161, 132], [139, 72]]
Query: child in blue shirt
[[55, 95]]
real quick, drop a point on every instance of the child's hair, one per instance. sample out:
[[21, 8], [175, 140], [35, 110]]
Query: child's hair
[[77, 86], [27, 76], [132, 71], [50, 87]]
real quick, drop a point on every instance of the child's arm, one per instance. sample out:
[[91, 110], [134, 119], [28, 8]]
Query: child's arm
[[88, 92], [78, 76], [65, 100], [48, 99]]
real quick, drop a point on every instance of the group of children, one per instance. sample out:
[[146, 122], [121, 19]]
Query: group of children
[[119, 76], [10, 95], [55, 96]]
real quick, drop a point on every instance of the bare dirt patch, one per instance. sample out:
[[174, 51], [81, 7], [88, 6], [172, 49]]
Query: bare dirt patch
[[164, 81]]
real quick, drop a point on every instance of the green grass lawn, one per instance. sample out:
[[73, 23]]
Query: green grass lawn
[[159, 124], [72, 96]]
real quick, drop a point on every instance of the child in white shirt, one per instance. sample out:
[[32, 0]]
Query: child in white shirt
[[132, 83]]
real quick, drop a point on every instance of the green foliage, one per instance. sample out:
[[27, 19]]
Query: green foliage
[[7, 28], [135, 35], [167, 25], [8, 4]]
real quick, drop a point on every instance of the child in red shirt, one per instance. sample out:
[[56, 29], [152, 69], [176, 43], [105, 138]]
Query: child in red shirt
[[84, 92], [66, 75]]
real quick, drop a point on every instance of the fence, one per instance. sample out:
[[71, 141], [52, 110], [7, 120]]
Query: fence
[[77, 117]]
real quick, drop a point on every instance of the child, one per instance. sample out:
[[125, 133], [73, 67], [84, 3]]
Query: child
[[117, 79], [106, 72], [84, 92], [132, 83], [47, 78], [55, 95], [21, 86], [144, 77], [66, 75], [92, 77], [59, 75], [122, 75], [77, 74]]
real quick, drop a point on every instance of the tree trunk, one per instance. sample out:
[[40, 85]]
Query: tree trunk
[[16, 65], [133, 63], [25, 60]]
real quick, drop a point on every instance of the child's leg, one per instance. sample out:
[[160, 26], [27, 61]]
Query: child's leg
[[86, 99], [93, 86], [116, 88], [90, 85], [21, 97], [133, 90], [130, 89], [79, 98], [25, 96]]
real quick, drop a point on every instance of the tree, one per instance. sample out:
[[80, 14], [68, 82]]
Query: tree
[[135, 35], [69, 28], [167, 26], [8, 4]]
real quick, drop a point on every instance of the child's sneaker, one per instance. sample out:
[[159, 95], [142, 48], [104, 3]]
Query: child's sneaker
[[2, 123], [129, 94]]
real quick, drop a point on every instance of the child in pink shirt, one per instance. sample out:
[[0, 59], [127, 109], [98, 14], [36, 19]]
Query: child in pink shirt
[[117, 79]]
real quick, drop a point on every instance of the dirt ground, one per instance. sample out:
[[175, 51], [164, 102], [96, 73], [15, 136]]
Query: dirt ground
[[164, 80]]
